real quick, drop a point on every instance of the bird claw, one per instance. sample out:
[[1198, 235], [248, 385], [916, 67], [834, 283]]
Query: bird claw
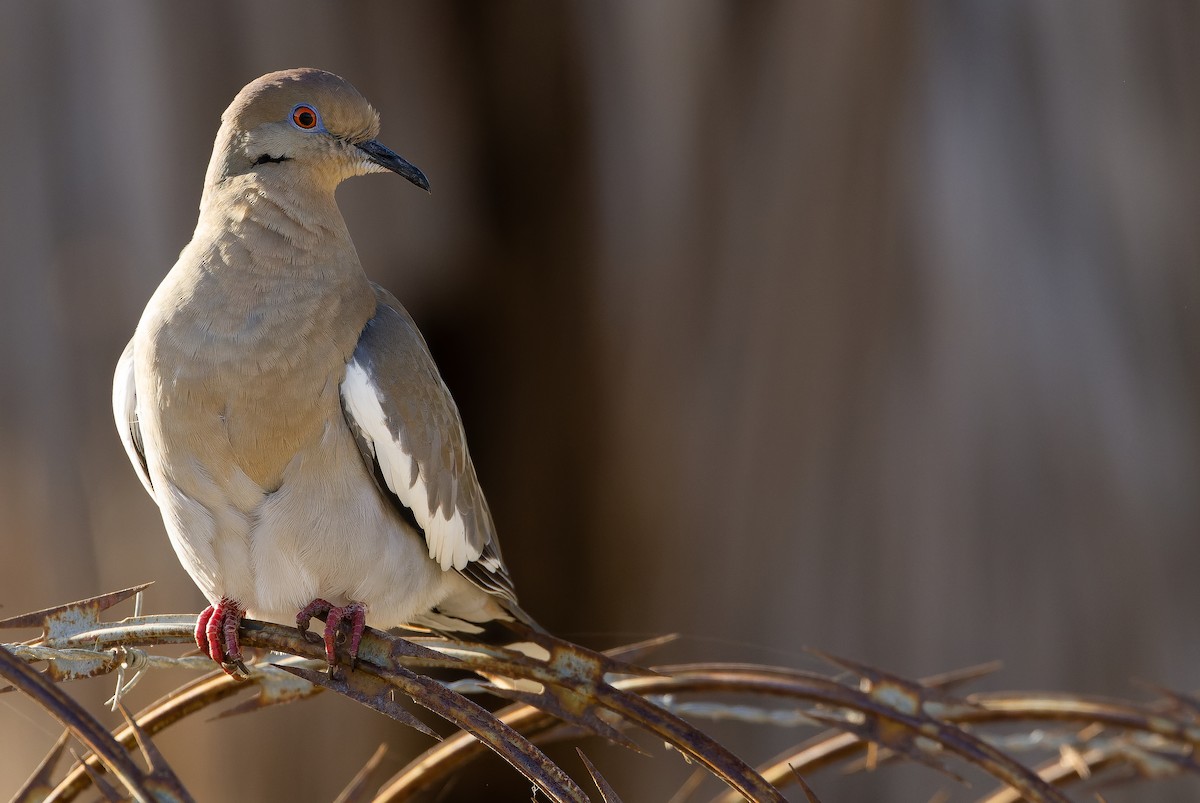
[[341, 623], [236, 669], [217, 636]]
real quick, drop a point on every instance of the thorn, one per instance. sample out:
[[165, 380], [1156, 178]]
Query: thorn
[[39, 785], [154, 759], [105, 789], [357, 790], [161, 777], [632, 653], [91, 605], [808, 792], [606, 790]]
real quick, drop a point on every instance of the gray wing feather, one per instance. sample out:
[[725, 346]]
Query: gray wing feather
[[411, 436], [125, 413]]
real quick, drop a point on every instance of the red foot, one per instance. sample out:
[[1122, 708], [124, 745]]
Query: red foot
[[217, 636], [352, 617]]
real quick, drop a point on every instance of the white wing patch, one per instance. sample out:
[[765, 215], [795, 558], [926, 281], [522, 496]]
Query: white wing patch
[[445, 529], [491, 564]]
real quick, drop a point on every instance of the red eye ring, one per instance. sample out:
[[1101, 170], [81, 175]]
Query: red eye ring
[[304, 117]]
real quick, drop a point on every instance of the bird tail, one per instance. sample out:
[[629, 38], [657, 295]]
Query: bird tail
[[483, 618], [526, 663], [501, 622]]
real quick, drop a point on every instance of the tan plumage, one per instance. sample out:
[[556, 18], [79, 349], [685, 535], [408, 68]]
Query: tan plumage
[[284, 413]]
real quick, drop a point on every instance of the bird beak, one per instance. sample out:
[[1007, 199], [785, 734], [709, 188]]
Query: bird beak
[[389, 160]]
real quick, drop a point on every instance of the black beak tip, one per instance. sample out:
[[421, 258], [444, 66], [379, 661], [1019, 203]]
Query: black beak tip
[[387, 158]]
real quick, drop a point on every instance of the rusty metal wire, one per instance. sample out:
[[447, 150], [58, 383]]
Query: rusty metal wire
[[572, 683], [157, 784], [872, 713]]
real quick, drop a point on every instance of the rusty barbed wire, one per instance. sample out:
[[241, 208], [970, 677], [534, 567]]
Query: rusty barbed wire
[[875, 717]]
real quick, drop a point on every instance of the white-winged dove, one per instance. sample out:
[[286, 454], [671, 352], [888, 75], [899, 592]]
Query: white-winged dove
[[285, 413]]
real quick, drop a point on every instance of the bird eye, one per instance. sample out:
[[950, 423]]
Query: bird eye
[[304, 117]]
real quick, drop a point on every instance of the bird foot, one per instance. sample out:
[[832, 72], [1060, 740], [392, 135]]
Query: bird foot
[[217, 636], [340, 622]]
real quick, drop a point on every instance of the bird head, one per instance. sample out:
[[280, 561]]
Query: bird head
[[304, 127]]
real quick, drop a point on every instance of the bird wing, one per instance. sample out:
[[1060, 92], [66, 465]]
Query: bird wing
[[411, 437], [125, 412]]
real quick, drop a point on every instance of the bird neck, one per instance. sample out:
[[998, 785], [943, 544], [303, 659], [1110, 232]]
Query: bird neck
[[295, 225]]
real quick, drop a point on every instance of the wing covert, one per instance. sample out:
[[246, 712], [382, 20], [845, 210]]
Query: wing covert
[[411, 436]]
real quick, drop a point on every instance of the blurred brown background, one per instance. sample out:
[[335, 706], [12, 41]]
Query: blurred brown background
[[867, 326]]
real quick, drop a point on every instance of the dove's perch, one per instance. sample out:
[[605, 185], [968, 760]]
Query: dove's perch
[[284, 412]]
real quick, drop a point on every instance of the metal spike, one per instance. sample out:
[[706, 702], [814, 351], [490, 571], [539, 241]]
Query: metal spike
[[62, 621], [357, 790], [574, 708], [358, 687], [39, 785], [809, 794], [606, 790], [274, 688], [375, 692], [632, 653], [105, 789]]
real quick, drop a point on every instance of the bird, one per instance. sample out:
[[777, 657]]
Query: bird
[[285, 413]]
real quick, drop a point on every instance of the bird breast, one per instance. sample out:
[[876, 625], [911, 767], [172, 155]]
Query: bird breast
[[249, 378]]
